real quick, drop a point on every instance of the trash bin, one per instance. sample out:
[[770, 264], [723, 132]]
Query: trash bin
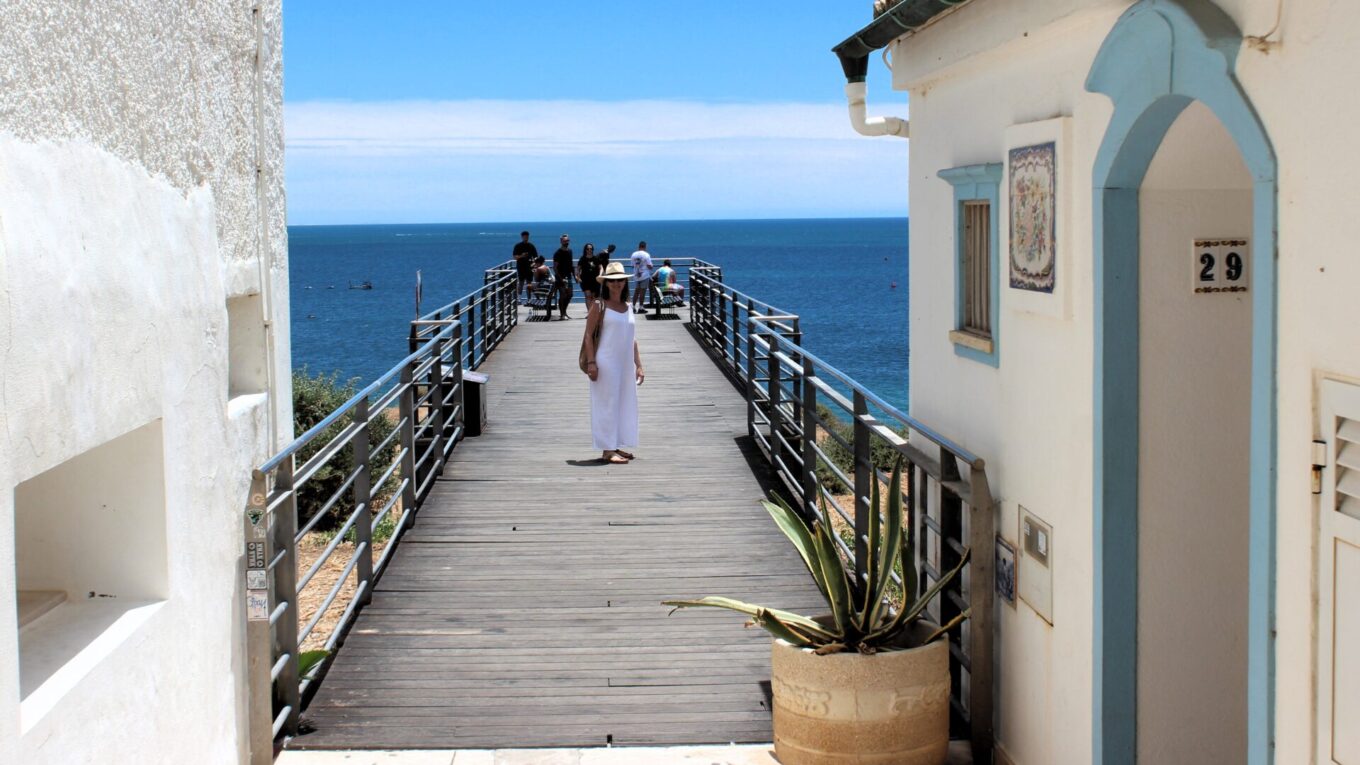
[[474, 403]]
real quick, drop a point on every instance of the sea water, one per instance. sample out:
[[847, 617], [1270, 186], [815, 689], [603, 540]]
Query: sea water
[[845, 278]]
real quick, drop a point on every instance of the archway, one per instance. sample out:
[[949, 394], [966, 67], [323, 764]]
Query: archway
[[1160, 57]]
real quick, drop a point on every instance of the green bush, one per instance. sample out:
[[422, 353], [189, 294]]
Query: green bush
[[881, 453], [315, 398]]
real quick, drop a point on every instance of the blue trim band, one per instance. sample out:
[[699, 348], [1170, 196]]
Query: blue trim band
[[1161, 56], [977, 182]]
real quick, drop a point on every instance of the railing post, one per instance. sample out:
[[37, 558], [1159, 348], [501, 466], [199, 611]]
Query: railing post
[[775, 370], [362, 489], [722, 328], [736, 328], [458, 424], [259, 644], [435, 406], [502, 317], [482, 323], [864, 473], [981, 588], [287, 691], [809, 443], [750, 381], [797, 380], [406, 409]]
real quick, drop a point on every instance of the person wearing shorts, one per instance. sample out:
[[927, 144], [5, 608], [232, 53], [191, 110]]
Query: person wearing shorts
[[642, 277], [524, 254]]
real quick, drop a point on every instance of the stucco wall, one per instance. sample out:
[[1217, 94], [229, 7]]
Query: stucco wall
[[994, 64], [1025, 417], [130, 212]]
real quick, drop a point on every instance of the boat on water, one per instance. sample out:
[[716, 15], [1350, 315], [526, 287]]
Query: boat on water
[[365, 285]]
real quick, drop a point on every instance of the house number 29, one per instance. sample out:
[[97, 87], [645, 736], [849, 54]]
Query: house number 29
[[1221, 265]]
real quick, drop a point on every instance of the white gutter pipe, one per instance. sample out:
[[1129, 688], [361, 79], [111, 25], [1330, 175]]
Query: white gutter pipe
[[855, 94]]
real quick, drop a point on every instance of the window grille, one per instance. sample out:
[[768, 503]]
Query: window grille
[[977, 294]]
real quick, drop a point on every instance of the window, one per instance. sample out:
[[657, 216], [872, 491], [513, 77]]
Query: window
[[977, 290], [976, 190]]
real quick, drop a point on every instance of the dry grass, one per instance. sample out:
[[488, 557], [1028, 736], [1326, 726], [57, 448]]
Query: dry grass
[[310, 599]]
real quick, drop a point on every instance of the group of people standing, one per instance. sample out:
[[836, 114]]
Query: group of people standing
[[649, 281], [609, 348]]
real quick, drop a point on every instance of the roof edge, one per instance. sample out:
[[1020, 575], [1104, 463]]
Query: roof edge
[[904, 17]]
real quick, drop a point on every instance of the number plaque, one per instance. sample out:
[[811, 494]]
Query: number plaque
[[1221, 265]]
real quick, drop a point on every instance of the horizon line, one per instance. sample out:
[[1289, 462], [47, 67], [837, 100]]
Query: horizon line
[[524, 222]]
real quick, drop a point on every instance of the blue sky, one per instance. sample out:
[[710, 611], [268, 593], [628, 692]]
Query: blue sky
[[503, 111]]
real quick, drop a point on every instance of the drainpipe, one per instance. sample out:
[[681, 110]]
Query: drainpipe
[[899, 18], [871, 126]]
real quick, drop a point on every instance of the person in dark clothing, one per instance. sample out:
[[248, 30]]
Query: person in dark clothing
[[524, 254], [588, 272], [564, 260]]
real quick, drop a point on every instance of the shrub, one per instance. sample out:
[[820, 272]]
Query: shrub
[[881, 454], [315, 398]]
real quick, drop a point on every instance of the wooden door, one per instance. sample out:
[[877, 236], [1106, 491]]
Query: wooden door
[[1339, 577]]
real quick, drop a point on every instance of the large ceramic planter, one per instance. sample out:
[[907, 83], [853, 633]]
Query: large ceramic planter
[[889, 708]]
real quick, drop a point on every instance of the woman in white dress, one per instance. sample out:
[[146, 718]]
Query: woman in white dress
[[614, 368]]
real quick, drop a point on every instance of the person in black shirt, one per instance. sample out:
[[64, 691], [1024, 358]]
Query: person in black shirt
[[524, 254], [563, 262], [588, 272]]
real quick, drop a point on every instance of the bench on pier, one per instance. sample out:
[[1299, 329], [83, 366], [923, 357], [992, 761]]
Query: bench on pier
[[660, 301], [541, 300]]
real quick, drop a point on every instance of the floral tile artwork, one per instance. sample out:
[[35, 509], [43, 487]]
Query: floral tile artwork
[[1033, 208]]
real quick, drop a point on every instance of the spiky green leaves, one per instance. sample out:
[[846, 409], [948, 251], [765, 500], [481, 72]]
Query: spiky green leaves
[[862, 615]]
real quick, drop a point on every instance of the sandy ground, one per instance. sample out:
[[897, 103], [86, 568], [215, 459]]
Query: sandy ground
[[311, 598]]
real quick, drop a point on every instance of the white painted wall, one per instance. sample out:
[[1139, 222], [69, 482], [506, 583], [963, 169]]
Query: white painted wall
[[1193, 468], [130, 213], [1025, 417], [993, 64]]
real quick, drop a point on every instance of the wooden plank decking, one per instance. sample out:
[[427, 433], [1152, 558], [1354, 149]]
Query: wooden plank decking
[[522, 609]]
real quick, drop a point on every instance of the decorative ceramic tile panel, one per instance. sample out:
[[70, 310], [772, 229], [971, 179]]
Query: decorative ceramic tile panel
[[1033, 217]]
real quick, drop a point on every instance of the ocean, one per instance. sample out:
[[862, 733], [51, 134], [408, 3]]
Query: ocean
[[846, 278]]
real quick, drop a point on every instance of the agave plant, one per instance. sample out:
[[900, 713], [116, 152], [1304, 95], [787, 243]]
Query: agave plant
[[865, 615]]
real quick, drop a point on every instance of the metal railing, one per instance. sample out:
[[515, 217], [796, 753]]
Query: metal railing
[[799, 408], [374, 458]]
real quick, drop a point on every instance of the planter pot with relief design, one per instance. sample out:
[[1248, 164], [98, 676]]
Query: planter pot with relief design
[[886, 708]]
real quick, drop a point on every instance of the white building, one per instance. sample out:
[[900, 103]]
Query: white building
[[143, 322], [1134, 293]]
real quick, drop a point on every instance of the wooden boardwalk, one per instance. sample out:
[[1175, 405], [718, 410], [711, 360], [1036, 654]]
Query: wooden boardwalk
[[522, 609]]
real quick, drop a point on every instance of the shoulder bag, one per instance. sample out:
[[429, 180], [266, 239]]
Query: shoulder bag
[[582, 360]]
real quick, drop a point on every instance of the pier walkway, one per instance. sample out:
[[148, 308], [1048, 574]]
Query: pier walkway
[[522, 608]]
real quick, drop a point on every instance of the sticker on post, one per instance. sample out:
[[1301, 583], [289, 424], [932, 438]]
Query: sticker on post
[[257, 605], [257, 579], [254, 554]]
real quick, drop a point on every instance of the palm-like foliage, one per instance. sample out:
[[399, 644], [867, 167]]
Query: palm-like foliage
[[863, 616]]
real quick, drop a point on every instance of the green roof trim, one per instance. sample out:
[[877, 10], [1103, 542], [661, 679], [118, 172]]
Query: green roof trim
[[903, 17]]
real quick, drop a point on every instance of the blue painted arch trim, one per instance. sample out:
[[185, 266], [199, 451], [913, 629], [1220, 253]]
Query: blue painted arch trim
[[1161, 56], [974, 182]]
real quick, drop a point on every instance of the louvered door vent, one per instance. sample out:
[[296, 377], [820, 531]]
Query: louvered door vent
[[1348, 466]]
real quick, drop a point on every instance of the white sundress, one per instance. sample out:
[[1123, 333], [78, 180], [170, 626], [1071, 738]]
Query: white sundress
[[613, 396]]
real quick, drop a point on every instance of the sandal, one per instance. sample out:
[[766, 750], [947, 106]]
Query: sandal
[[614, 458], [624, 454]]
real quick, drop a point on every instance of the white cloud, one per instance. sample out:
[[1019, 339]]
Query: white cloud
[[496, 160], [547, 127]]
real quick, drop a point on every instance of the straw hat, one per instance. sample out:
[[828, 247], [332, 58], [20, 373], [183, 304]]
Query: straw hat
[[614, 271]]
